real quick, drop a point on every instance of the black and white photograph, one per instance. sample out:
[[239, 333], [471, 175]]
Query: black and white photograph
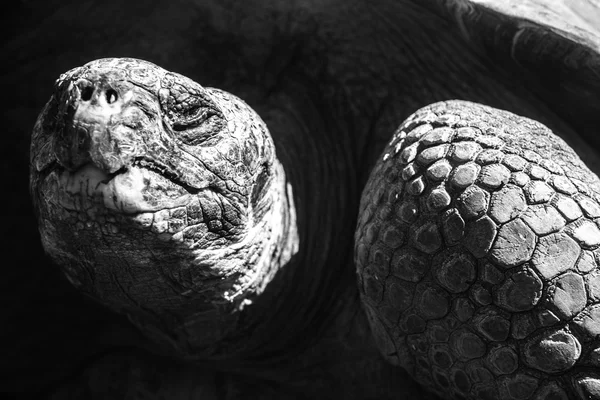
[[300, 199]]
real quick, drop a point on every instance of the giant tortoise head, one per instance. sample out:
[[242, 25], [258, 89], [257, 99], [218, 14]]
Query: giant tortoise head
[[406, 190]]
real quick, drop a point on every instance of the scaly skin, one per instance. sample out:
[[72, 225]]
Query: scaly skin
[[476, 252]]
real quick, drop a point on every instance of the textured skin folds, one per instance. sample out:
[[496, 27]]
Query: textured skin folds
[[157, 196], [484, 291]]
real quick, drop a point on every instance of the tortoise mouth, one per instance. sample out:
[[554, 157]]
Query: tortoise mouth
[[140, 187]]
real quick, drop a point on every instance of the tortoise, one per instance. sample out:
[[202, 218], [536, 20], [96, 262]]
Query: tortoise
[[403, 205]]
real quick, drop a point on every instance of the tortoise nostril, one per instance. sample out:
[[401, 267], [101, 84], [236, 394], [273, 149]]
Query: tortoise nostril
[[111, 96], [87, 90], [86, 93]]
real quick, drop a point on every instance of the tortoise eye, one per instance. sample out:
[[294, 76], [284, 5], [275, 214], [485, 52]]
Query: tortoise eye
[[189, 110], [190, 116], [195, 120]]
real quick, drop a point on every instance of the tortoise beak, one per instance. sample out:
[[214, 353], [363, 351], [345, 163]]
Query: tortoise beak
[[93, 123]]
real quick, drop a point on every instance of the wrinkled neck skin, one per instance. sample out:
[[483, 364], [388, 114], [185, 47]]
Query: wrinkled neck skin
[[308, 328], [221, 331], [314, 283]]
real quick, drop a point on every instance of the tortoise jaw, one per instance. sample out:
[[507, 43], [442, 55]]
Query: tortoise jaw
[[130, 190]]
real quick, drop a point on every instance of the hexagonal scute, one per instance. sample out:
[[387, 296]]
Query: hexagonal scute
[[409, 264], [590, 208], [502, 360], [441, 355], [432, 301], [426, 237], [432, 154], [473, 202], [438, 199], [416, 186], [552, 351], [437, 136], [407, 210], [567, 295], [392, 237], [439, 170], [521, 291], [514, 245], [507, 203], [455, 270], [543, 219], [464, 175], [466, 345], [586, 233], [514, 162], [537, 172], [490, 156], [494, 176], [563, 184], [519, 178], [586, 262], [409, 153], [554, 254], [537, 192], [410, 171], [464, 151]]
